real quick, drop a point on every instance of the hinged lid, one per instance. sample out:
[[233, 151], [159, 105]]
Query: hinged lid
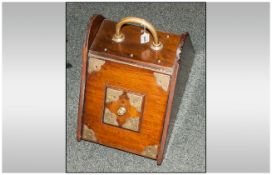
[[131, 50]]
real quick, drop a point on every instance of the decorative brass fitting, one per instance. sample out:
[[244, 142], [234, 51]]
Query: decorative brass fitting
[[121, 111]]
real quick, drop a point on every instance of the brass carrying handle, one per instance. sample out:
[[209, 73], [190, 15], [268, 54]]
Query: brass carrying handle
[[119, 37]]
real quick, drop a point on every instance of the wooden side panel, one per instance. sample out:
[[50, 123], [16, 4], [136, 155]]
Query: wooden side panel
[[177, 88], [93, 26], [146, 139]]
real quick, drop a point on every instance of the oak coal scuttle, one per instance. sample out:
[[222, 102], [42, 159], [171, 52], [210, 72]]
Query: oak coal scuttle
[[128, 84]]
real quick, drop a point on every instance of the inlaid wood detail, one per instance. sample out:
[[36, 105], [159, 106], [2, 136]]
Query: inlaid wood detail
[[132, 123], [151, 151], [95, 64], [162, 80], [88, 134]]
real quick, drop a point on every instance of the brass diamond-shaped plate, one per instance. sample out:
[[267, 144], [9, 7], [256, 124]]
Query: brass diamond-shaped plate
[[123, 109]]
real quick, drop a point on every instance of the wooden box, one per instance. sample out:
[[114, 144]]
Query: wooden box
[[127, 87]]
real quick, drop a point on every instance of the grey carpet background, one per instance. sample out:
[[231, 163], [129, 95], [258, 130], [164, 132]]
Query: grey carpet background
[[186, 149]]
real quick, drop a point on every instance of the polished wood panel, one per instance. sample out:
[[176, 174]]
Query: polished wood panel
[[135, 80]]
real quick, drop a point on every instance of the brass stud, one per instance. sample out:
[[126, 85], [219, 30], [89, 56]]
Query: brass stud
[[121, 111], [167, 36], [131, 55], [105, 49]]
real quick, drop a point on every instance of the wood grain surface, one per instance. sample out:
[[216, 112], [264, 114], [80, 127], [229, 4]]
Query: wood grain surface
[[132, 79]]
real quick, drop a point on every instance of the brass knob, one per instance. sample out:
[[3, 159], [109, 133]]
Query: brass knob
[[121, 111]]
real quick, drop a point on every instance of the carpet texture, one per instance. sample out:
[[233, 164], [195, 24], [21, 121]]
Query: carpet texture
[[186, 149]]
